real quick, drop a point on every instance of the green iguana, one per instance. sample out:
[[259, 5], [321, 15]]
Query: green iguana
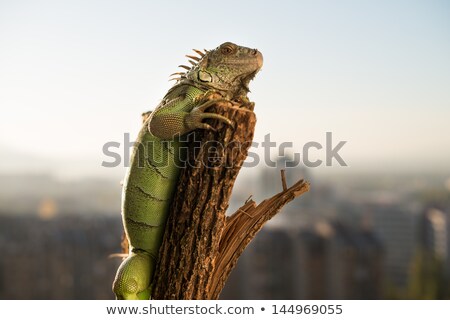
[[224, 74]]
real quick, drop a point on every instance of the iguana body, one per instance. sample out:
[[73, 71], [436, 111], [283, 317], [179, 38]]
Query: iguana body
[[154, 169]]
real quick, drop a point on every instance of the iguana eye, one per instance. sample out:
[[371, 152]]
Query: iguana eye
[[227, 49]]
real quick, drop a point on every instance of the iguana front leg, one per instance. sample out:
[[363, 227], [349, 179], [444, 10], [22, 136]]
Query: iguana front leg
[[169, 124]]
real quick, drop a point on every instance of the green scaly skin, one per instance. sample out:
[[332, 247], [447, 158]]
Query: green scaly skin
[[151, 180]]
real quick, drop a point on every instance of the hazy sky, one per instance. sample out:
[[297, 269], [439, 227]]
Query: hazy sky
[[76, 74]]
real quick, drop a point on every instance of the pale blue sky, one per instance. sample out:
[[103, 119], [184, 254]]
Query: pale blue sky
[[76, 74]]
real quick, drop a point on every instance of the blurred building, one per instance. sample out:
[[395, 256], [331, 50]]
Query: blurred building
[[339, 262], [430, 267], [397, 228], [433, 233], [447, 261]]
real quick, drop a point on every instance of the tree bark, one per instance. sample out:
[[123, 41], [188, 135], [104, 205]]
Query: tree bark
[[201, 244]]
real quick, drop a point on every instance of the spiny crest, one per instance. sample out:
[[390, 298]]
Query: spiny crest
[[193, 60]]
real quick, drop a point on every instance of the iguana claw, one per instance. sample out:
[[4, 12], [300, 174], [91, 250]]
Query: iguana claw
[[194, 118]]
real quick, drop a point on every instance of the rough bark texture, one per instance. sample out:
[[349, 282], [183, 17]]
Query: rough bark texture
[[201, 244]]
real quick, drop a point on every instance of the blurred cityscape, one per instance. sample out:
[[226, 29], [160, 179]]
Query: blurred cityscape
[[359, 236]]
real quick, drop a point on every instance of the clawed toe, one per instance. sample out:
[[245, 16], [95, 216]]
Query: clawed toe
[[209, 115], [206, 126]]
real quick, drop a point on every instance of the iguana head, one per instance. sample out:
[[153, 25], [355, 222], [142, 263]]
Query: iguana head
[[228, 69]]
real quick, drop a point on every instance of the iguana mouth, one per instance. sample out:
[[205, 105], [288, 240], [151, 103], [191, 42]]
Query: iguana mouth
[[245, 81]]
